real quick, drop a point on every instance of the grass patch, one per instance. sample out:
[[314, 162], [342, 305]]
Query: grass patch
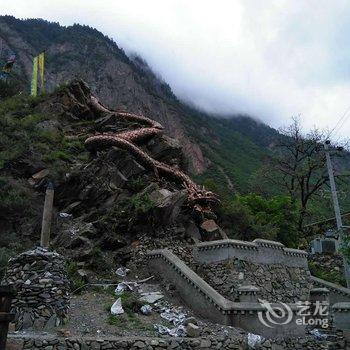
[[72, 272], [330, 276], [56, 155], [130, 303], [110, 290], [129, 212], [14, 197], [21, 134], [128, 322]]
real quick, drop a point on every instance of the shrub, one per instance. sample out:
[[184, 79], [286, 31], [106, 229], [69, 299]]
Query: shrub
[[14, 197], [330, 276], [254, 216], [8, 88]]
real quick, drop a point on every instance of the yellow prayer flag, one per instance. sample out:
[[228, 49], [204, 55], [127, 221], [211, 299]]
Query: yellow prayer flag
[[41, 64]]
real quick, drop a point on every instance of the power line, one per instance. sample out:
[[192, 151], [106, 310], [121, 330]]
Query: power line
[[340, 122], [337, 210]]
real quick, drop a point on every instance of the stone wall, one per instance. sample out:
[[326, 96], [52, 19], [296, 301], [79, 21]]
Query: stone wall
[[260, 251], [276, 282], [341, 316], [207, 302], [281, 273], [337, 294], [46, 342], [42, 286]]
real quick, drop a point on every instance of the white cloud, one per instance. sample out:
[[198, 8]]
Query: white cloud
[[271, 59]]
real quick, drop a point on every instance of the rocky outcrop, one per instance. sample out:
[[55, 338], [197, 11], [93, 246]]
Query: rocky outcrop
[[42, 287], [198, 197], [118, 81]]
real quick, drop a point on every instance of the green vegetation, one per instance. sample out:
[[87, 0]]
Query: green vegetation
[[345, 248], [237, 148], [8, 88], [253, 216], [23, 134], [129, 320], [76, 280], [330, 276], [14, 197], [137, 185], [130, 211], [130, 302]]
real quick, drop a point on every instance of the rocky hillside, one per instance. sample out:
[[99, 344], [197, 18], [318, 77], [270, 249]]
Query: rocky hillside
[[215, 150], [107, 195]]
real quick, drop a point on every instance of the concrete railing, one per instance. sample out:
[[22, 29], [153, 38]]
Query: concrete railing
[[341, 316], [259, 251], [207, 302], [337, 294]]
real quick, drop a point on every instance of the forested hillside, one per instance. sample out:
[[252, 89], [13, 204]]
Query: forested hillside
[[226, 155]]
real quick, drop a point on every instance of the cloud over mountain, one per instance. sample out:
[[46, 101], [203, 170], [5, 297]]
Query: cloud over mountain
[[270, 59]]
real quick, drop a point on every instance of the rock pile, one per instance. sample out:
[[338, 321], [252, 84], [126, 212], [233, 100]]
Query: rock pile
[[327, 262], [173, 238], [42, 286]]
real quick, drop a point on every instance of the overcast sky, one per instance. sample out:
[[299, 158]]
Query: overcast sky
[[269, 59]]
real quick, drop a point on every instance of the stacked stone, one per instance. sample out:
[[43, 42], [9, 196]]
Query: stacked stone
[[307, 342], [46, 342], [172, 240], [276, 282], [42, 287]]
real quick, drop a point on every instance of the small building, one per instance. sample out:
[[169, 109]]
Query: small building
[[328, 245]]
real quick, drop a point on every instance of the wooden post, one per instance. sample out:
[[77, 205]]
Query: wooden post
[[6, 295], [47, 216]]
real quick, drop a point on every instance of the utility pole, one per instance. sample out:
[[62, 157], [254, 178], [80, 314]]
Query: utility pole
[[336, 210]]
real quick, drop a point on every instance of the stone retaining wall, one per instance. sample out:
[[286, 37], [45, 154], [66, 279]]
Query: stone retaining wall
[[341, 316], [49, 342], [42, 286], [208, 303], [46, 342], [337, 294], [259, 251], [276, 282]]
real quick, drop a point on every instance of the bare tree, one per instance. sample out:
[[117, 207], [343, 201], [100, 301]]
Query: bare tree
[[298, 165]]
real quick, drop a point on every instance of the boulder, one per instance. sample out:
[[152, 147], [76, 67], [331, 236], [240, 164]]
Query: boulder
[[167, 204], [210, 228], [212, 231], [192, 231], [111, 241], [193, 330], [166, 149]]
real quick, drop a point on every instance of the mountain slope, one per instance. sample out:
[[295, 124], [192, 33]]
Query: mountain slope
[[225, 150]]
